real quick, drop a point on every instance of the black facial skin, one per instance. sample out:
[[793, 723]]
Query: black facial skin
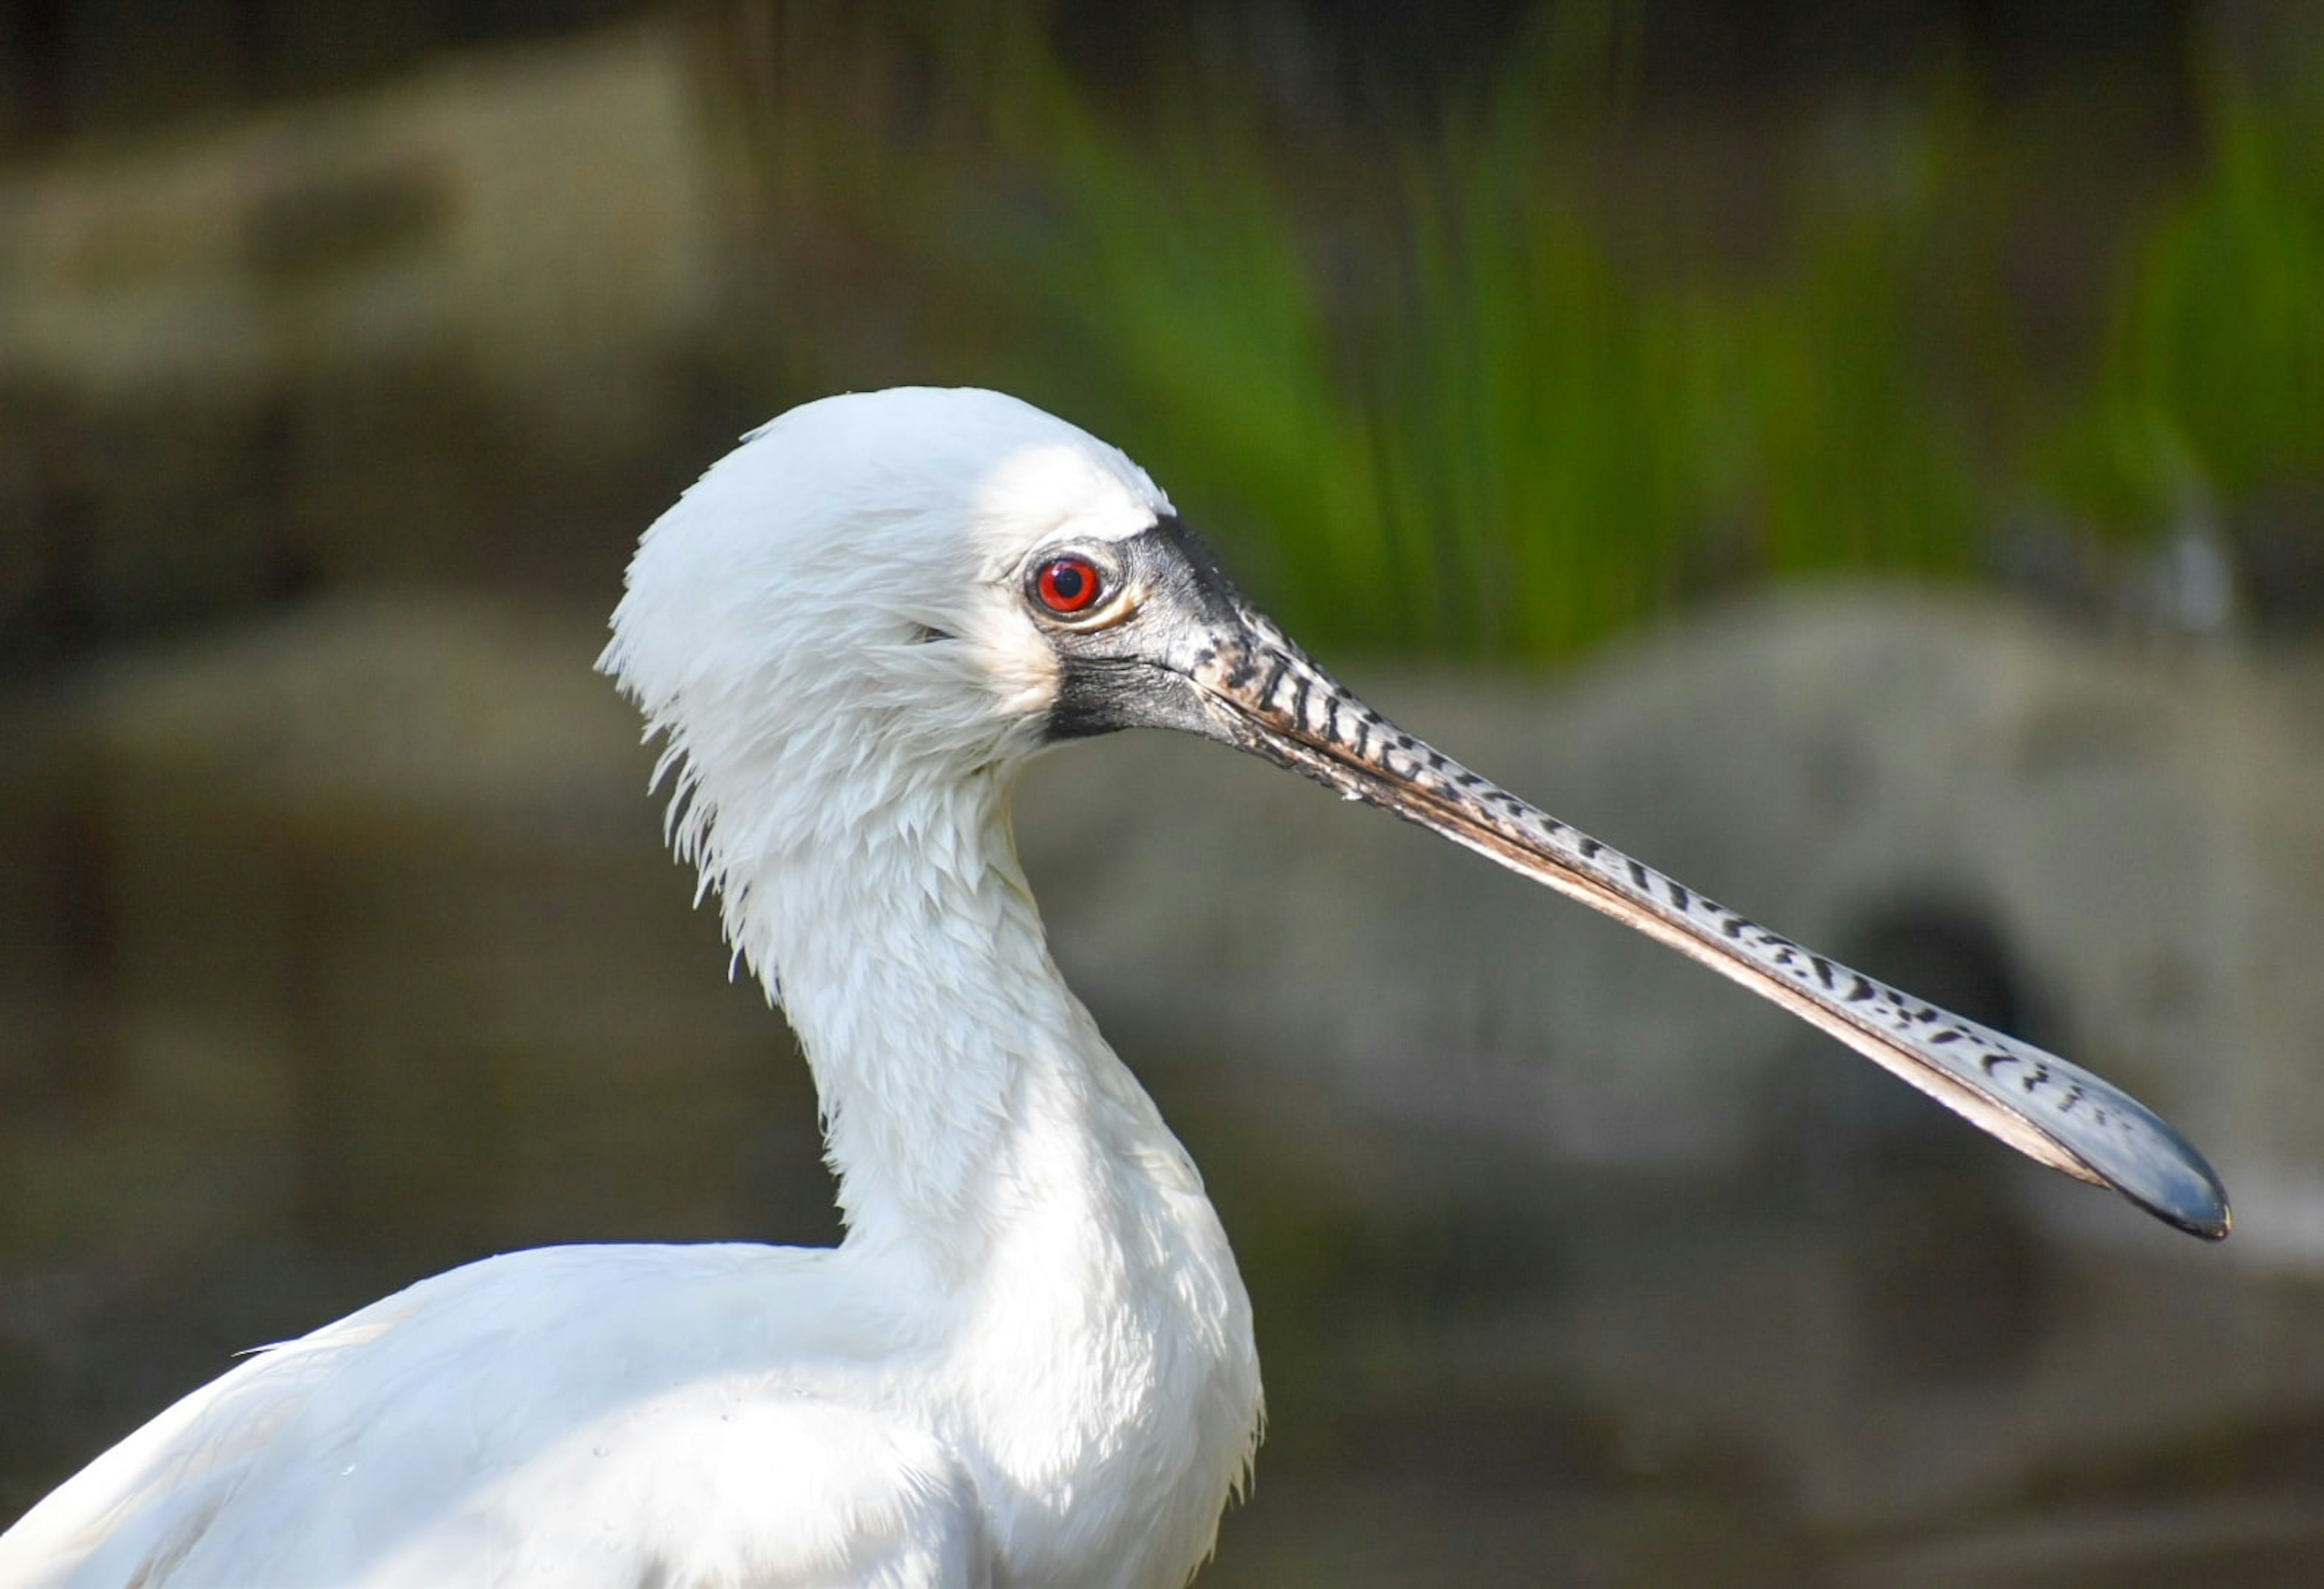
[[1132, 674]]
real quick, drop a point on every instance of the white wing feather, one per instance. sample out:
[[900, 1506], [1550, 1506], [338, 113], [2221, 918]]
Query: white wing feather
[[672, 1435]]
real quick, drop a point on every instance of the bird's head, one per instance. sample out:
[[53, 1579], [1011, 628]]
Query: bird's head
[[847, 592], [884, 603], [901, 593]]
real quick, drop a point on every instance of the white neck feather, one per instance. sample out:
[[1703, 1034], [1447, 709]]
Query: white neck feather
[[991, 1146], [942, 1041], [961, 1083]]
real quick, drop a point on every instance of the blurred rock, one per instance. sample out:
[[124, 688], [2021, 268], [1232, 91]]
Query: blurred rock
[[453, 327], [439, 213]]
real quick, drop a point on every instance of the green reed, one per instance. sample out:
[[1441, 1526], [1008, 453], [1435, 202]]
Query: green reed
[[1431, 398]]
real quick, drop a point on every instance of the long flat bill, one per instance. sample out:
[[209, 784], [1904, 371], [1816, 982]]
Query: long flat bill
[[1272, 700]]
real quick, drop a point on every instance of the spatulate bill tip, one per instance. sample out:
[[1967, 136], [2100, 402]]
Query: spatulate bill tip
[[2183, 1192], [2210, 1219]]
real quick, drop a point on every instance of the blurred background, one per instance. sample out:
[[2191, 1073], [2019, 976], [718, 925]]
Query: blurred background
[[1867, 458]]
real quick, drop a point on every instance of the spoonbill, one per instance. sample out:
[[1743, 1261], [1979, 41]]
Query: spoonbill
[[1030, 1361]]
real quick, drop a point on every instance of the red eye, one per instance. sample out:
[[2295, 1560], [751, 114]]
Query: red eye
[[1067, 585]]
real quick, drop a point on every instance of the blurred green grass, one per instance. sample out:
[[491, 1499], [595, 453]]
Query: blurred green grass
[[1432, 399], [2211, 388]]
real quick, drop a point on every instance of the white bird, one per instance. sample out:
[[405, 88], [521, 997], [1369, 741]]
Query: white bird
[[1029, 1362]]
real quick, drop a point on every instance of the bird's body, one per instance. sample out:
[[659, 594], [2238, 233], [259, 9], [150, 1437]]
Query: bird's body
[[680, 1415], [1031, 1362]]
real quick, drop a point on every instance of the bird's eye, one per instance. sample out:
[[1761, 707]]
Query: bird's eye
[[1067, 585]]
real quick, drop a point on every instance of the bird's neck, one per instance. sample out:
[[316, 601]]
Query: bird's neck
[[966, 1090], [1060, 1269]]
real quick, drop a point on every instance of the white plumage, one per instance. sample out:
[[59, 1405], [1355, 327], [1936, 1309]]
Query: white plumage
[[1031, 1361]]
